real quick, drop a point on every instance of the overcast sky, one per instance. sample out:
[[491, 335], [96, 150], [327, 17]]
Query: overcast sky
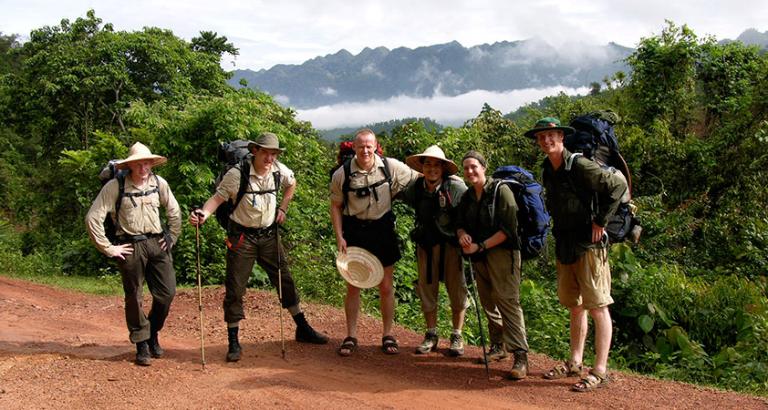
[[291, 32]]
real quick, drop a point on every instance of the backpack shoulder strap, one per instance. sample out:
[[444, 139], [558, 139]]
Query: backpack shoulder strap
[[586, 199], [385, 169], [120, 194], [245, 170], [347, 166]]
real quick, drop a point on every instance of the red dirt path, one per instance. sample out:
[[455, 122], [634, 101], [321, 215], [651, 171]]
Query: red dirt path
[[61, 349]]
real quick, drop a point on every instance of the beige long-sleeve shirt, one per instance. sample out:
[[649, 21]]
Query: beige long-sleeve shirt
[[138, 215]]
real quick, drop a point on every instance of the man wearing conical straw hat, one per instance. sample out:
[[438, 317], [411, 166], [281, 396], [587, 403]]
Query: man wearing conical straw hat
[[141, 248], [434, 198]]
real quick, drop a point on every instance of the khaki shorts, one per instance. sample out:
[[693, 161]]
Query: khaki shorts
[[586, 282], [455, 284]]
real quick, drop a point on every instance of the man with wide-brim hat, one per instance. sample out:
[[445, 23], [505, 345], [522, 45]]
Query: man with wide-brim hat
[[252, 236], [266, 140], [142, 246], [434, 197], [140, 152], [581, 247], [548, 124]]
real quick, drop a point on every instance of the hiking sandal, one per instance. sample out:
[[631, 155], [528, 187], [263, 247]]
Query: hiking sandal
[[565, 369], [389, 345], [348, 346], [591, 382]]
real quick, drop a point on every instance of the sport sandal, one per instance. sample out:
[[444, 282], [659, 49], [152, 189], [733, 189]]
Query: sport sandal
[[389, 345], [348, 346], [562, 370], [590, 382]]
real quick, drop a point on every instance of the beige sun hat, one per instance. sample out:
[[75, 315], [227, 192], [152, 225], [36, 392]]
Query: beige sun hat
[[360, 268], [140, 152], [433, 151], [266, 140]]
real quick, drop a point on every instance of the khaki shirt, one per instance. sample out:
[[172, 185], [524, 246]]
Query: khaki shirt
[[138, 215], [255, 210], [368, 208]]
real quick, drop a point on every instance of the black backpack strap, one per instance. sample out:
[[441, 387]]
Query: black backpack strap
[[120, 194], [245, 170], [347, 166]]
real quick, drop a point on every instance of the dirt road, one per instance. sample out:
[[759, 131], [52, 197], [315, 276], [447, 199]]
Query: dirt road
[[61, 349]]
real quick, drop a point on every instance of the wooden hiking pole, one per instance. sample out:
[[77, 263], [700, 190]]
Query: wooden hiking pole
[[199, 291], [479, 320]]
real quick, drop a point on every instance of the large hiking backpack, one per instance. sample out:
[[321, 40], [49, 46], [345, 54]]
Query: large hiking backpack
[[623, 224], [236, 154], [532, 216], [596, 139], [109, 172]]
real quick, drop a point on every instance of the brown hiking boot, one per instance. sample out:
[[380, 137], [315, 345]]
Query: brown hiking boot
[[154, 346], [142, 354], [520, 369], [306, 334], [496, 353], [234, 351]]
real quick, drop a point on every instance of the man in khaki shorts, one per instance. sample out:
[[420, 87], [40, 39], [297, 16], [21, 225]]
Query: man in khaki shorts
[[572, 183]]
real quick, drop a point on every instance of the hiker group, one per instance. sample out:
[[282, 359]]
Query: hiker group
[[489, 223]]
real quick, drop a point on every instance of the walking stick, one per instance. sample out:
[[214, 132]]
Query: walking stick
[[199, 291], [280, 288], [479, 320]]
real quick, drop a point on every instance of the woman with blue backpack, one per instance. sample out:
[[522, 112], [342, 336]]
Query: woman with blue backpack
[[487, 233]]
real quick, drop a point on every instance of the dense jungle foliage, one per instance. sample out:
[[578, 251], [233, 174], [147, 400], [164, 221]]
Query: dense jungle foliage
[[690, 298]]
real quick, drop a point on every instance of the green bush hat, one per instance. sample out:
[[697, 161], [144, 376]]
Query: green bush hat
[[266, 140], [548, 123]]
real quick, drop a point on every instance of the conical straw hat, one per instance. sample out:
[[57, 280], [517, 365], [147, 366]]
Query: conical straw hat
[[360, 268], [140, 152]]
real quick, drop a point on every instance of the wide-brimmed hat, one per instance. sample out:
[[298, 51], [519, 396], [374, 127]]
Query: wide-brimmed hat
[[433, 151], [546, 124], [360, 268], [266, 140], [140, 152]]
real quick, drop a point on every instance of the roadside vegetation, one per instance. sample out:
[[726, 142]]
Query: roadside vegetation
[[691, 298]]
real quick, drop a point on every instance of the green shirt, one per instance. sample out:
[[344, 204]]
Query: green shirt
[[577, 197], [436, 212], [475, 214]]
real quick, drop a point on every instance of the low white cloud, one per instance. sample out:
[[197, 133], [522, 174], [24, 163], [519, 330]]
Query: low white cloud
[[327, 91], [444, 109]]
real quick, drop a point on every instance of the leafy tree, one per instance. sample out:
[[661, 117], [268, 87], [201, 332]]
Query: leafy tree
[[663, 76], [210, 42]]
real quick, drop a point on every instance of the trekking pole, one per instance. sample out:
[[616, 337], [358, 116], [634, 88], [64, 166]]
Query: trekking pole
[[479, 320], [199, 289], [280, 288]]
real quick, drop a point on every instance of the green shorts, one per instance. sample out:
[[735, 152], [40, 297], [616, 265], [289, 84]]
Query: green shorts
[[586, 282]]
